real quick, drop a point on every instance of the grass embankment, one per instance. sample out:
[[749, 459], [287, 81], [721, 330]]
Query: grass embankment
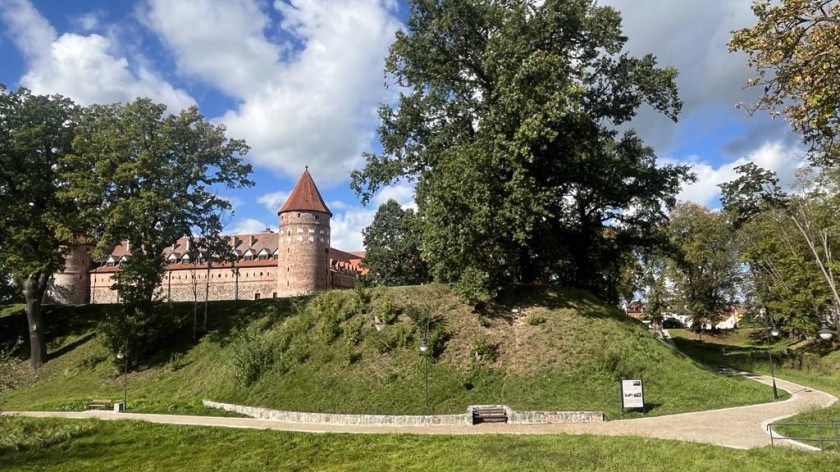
[[555, 350], [126, 445], [815, 365]]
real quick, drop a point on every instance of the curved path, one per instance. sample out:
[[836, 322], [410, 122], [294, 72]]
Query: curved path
[[739, 427]]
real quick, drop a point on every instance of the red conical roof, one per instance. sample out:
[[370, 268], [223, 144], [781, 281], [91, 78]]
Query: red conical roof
[[305, 197]]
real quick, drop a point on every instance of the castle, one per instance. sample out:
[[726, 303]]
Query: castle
[[296, 260]]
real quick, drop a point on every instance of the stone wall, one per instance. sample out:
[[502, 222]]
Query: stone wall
[[514, 417], [342, 419]]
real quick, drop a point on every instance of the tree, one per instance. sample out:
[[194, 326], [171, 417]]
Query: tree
[[707, 271], [795, 50], [36, 225], [507, 121], [807, 223], [393, 249], [152, 177]]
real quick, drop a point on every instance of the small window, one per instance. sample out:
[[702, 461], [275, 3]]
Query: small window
[[276, 256], [274, 295], [256, 296], [263, 257]]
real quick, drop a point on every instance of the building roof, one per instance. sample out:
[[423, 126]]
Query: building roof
[[305, 196]]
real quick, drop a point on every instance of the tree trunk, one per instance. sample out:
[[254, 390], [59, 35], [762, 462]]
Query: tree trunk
[[33, 292], [206, 298]]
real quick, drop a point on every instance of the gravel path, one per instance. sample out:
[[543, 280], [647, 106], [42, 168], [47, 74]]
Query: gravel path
[[739, 427]]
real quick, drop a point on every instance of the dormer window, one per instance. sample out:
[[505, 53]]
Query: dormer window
[[185, 259], [249, 255], [263, 255], [172, 258]]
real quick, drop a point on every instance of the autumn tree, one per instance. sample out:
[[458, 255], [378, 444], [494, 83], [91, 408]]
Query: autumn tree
[[152, 178], [393, 249], [508, 121], [36, 226], [795, 49]]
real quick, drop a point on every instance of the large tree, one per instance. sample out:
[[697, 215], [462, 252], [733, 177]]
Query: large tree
[[507, 119], [795, 49], [393, 249], [707, 272], [152, 177], [36, 226]]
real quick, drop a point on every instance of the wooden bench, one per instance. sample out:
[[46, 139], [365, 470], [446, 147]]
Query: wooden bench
[[100, 404], [489, 415]]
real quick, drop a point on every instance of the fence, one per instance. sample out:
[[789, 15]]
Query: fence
[[813, 433]]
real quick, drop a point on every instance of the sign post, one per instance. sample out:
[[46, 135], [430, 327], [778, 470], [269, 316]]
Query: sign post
[[633, 395]]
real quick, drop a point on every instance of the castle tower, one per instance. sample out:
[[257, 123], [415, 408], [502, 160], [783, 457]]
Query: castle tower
[[71, 285], [304, 243]]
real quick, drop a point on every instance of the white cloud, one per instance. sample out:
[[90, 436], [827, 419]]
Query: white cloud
[[273, 201], [402, 193], [784, 160], [87, 69], [309, 101], [246, 226], [346, 228]]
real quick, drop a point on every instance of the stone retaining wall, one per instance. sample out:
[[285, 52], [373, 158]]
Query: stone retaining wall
[[514, 417], [343, 419]]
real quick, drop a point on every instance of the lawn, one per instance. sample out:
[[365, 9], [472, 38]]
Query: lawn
[[92, 445]]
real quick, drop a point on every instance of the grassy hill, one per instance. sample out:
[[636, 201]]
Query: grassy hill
[[555, 349]]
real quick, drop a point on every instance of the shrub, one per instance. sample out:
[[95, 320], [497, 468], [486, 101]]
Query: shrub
[[472, 287], [136, 332], [485, 351], [535, 320], [249, 355], [386, 311]]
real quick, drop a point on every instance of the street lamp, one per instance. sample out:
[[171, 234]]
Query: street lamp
[[774, 331], [825, 333], [423, 348], [122, 356]]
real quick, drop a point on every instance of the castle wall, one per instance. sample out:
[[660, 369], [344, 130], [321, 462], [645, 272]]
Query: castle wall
[[304, 246]]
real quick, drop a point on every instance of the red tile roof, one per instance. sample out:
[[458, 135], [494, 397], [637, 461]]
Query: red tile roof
[[305, 196]]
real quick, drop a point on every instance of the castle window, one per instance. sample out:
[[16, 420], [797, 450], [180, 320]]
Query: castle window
[[256, 296], [276, 256], [274, 295]]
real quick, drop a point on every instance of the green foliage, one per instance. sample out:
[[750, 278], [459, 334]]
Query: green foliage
[[149, 178], [508, 124], [393, 247], [250, 354], [707, 270], [136, 333], [485, 351], [794, 50], [386, 311], [37, 224], [535, 320], [361, 298]]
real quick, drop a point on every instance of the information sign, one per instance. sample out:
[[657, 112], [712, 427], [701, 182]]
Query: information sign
[[632, 394]]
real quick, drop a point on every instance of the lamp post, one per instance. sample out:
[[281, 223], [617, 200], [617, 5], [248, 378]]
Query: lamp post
[[423, 348], [123, 356], [771, 331], [825, 333]]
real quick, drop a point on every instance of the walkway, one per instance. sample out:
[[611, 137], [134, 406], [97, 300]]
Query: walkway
[[740, 427]]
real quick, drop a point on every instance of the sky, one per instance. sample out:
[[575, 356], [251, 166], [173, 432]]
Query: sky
[[301, 80]]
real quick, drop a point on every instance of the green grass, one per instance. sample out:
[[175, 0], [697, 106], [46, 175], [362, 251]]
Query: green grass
[[324, 354], [814, 365], [11, 309], [126, 445]]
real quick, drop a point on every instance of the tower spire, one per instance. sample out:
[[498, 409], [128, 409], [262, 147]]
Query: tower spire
[[305, 197]]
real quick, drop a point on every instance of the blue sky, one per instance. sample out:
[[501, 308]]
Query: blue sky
[[300, 81]]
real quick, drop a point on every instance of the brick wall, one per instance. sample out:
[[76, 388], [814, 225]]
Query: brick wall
[[304, 245]]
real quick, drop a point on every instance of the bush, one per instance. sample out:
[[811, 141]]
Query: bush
[[136, 333], [484, 351], [386, 311], [250, 354], [472, 286], [535, 320]]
